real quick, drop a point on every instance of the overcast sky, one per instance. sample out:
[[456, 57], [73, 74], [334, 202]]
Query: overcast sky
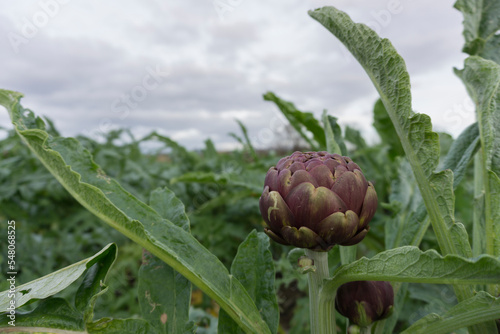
[[190, 68]]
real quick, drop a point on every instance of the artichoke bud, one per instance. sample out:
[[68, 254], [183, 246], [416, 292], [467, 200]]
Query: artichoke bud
[[305, 265], [316, 200], [365, 302]]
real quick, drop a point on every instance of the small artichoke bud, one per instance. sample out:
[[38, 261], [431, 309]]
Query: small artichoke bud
[[316, 200], [305, 265], [304, 262], [364, 302]]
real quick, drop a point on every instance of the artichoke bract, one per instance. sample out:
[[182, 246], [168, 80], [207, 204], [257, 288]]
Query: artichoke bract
[[364, 302], [316, 200]]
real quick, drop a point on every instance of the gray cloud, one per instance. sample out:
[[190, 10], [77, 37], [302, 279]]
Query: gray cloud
[[82, 73]]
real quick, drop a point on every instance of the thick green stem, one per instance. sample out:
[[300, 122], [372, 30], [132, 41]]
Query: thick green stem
[[379, 327], [322, 314], [348, 254], [478, 231], [366, 330], [490, 249]]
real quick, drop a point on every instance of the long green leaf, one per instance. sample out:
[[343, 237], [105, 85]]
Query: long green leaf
[[57, 281], [482, 79], [254, 267], [387, 70], [413, 219], [481, 25], [74, 168], [480, 308], [410, 264]]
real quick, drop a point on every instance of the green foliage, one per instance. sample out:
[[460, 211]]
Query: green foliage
[[164, 294], [201, 218], [51, 284], [481, 25], [482, 307], [303, 122], [253, 266]]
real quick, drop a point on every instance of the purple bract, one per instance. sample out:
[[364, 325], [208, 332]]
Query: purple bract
[[364, 302], [316, 200]]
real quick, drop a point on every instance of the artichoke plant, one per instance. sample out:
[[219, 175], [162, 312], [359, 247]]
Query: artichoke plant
[[316, 200], [364, 302]]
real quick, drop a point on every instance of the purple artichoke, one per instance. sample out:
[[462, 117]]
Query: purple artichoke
[[364, 302], [316, 200]]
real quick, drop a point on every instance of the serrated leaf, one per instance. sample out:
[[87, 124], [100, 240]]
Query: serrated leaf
[[410, 264], [57, 281], [254, 267], [482, 79], [481, 26], [300, 121], [478, 309], [74, 168], [387, 70], [413, 220]]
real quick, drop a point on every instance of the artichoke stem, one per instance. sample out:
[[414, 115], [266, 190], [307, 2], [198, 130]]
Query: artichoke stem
[[366, 329], [322, 316]]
